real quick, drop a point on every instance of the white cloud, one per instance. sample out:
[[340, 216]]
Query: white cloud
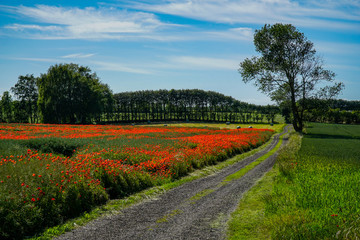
[[37, 59], [22, 27], [78, 55], [87, 23], [299, 13], [106, 23]]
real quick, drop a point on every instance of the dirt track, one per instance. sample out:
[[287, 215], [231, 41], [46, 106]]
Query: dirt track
[[195, 210]]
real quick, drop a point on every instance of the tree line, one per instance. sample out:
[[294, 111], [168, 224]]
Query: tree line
[[69, 93], [186, 105], [333, 111]]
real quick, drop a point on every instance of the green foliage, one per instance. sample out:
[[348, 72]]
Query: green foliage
[[187, 105], [333, 111], [62, 146], [26, 92], [32, 202], [70, 93], [288, 69], [6, 106]]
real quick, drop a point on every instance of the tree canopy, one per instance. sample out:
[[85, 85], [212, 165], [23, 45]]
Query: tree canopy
[[6, 107], [288, 70], [25, 90], [70, 93]]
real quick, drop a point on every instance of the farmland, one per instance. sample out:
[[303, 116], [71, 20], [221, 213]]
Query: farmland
[[312, 193], [50, 173]]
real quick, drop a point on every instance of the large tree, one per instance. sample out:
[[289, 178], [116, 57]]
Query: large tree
[[25, 90], [288, 70], [6, 105], [70, 93]]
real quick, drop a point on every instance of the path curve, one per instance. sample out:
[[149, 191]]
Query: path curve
[[194, 210]]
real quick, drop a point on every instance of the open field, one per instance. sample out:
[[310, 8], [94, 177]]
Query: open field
[[313, 193], [50, 173]]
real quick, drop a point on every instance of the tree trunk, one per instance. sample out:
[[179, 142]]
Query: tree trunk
[[296, 118]]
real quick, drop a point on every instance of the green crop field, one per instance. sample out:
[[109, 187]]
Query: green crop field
[[312, 193]]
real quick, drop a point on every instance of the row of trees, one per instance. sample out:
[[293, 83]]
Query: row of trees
[[333, 116], [333, 111], [187, 105], [69, 93]]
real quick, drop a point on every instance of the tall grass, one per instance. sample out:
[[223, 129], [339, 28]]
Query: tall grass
[[316, 194]]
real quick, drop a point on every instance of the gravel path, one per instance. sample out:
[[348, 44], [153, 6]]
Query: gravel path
[[195, 210]]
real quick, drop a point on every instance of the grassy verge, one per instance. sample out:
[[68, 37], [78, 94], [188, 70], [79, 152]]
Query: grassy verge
[[310, 194], [248, 220], [114, 206]]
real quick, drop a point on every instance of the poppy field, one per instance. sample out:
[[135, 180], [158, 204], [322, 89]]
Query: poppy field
[[50, 173]]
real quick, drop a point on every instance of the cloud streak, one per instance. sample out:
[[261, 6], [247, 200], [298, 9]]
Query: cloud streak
[[78, 55], [51, 22], [142, 23], [300, 13], [88, 23]]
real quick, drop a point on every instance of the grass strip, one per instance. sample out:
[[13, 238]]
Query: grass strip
[[168, 216], [200, 195], [244, 170], [248, 221], [114, 206]]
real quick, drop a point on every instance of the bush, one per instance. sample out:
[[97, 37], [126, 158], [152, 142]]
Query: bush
[[61, 146]]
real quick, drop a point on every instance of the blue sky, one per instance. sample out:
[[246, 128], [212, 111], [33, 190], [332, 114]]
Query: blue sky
[[165, 44]]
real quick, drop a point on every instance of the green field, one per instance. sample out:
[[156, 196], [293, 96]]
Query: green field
[[312, 193]]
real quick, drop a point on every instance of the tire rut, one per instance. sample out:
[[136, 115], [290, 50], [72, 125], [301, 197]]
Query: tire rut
[[194, 210]]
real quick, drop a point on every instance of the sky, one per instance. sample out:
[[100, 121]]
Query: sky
[[171, 44]]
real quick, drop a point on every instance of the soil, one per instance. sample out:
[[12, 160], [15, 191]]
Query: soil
[[195, 210]]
